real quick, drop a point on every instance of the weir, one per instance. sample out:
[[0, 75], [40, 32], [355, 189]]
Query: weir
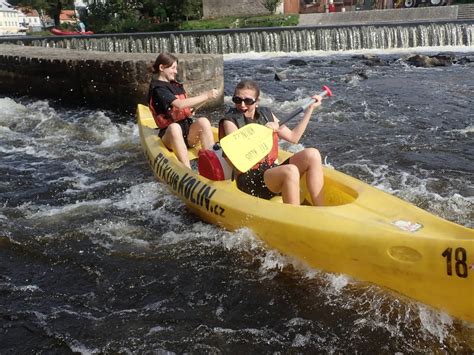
[[80, 69], [283, 39]]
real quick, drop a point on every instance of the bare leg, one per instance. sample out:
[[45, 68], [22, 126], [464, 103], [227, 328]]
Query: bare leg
[[309, 162], [201, 130], [284, 179], [173, 139]]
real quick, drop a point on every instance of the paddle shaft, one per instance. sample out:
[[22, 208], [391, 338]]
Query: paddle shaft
[[296, 112]]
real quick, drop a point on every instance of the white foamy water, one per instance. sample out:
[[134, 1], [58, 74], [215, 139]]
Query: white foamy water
[[324, 54], [141, 197]]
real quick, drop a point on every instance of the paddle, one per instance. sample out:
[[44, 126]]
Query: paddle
[[326, 92], [248, 145]]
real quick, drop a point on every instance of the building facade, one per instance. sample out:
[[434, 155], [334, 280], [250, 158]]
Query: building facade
[[9, 20], [30, 19]]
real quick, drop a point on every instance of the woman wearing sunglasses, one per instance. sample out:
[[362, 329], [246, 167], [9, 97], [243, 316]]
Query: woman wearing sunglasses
[[173, 110], [268, 178]]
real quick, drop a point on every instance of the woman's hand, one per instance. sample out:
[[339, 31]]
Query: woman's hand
[[212, 94], [317, 101], [274, 126]]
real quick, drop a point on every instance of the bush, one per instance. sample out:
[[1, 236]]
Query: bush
[[104, 23], [271, 5], [270, 21], [218, 23], [165, 26]]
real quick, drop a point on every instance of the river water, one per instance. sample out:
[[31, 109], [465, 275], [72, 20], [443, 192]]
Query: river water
[[97, 257]]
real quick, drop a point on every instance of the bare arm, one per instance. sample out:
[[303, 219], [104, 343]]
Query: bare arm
[[294, 135], [195, 100], [229, 127]]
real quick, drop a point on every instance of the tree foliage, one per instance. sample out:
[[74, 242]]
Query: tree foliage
[[133, 15], [51, 7], [271, 5]]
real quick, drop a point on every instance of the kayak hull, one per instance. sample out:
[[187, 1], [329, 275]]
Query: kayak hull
[[360, 231], [59, 32]]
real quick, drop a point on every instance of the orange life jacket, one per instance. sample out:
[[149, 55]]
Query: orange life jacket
[[172, 114]]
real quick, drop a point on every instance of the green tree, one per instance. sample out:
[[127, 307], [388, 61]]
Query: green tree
[[112, 15], [172, 10], [135, 15], [192, 9], [52, 7], [154, 9], [271, 5], [185, 9]]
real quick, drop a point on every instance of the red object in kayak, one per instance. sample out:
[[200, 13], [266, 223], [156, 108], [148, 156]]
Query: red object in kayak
[[58, 32]]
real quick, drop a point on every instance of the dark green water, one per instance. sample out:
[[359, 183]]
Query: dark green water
[[97, 257]]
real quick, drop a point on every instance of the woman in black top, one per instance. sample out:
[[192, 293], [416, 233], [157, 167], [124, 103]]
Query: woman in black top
[[173, 111], [269, 178]]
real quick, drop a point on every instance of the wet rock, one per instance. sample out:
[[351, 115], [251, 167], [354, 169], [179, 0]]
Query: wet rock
[[364, 56], [444, 59], [298, 62], [370, 60], [439, 60], [281, 75], [361, 73], [376, 61], [357, 74], [446, 54], [266, 70], [465, 60]]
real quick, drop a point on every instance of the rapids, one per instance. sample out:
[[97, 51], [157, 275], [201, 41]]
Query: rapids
[[97, 257]]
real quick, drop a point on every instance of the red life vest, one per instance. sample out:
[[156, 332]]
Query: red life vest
[[272, 156], [172, 114]]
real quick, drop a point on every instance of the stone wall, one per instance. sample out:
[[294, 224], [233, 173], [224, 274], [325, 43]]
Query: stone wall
[[117, 81], [221, 8], [421, 14]]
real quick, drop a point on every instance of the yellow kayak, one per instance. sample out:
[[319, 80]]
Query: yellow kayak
[[360, 231]]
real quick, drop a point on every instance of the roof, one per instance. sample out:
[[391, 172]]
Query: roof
[[5, 5], [29, 12], [67, 15]]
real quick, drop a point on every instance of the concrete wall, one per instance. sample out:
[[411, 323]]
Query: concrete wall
[[421, 14], [220, 8], [116, 81]]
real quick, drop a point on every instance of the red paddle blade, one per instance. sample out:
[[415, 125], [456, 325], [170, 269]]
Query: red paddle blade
[[328, 91]]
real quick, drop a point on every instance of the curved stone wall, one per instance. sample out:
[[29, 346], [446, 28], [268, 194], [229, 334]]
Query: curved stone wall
[[117, 81]]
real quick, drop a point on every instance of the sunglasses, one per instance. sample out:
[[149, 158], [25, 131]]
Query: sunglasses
[[248, 101]]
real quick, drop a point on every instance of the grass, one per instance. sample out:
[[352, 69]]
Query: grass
[[240, 22]]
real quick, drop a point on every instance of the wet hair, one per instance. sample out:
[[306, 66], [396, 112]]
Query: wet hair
[[248, 84], [165, 59]]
